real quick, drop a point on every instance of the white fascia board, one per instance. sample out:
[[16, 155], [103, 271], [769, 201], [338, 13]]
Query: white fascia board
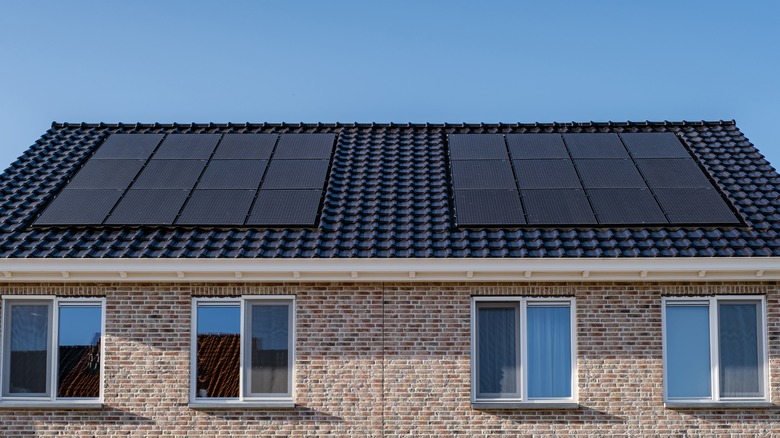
[[375, 269]]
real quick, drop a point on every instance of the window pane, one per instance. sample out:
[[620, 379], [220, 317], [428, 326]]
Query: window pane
[[219, 350], [740, 360], [269, 349], [28, 359], [78, 370], [688, 351], [549, 351], [497, 351]]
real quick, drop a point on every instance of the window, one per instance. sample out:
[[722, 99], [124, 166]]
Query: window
[[243, 350], [715, 350], [52, 350], [523, 350]]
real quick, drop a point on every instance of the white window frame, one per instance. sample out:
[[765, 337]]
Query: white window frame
[[524, 401], [243, 400], [712, 303], [51, 400]]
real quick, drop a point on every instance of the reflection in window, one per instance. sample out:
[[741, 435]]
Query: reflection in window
[[219, 345], [79, 351]]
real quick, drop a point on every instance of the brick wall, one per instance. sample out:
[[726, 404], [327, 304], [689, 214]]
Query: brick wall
[[392, 359]]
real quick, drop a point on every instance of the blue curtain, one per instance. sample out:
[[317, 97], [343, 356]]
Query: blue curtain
[[549, 351]]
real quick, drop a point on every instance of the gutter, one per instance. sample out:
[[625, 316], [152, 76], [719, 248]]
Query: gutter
[[633, 270]]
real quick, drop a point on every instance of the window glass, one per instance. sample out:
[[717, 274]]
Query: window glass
[[549, 351], [78, 367], [269, 349], [688, 351], [218, 351], [497, 346], [28, 357], [740, 357]]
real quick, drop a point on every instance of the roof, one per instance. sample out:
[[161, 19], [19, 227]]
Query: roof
[[389, 196]]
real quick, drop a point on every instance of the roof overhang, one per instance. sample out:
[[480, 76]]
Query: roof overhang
[[370, 270]]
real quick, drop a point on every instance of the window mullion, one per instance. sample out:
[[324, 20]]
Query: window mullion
[[243, 321], [522, 335], [714, 349], [53, 355]]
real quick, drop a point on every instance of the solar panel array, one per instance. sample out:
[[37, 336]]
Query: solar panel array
[[581, 179], [198, 179]]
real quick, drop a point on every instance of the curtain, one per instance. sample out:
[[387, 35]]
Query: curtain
[[739, 351], [688, 351], [497, 355], [549, 351]]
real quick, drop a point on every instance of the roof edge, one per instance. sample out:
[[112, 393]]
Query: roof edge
[[200, 125], [381, 270]]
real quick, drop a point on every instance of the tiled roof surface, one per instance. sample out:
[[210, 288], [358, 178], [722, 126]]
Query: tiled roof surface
[[388, 196]]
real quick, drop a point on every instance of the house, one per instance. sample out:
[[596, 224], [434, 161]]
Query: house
[[390, 279]]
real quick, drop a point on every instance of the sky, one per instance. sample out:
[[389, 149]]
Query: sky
[[400, 61]]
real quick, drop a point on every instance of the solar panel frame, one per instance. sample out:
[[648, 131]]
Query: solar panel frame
[[245, 147], [233, 174], [286, 208], [626, 206], [550, 174], [79, 206], [536, 146], [700, 206], [106, 174], [477, 147], [672, 173], [483, 174], [187, 147], [216, 207], [148, 207], [488, 208], [595, 145], [296, 174], [557, 207], [305, 147], [169, 174], [654, 145], [609, 173], [128, 147]]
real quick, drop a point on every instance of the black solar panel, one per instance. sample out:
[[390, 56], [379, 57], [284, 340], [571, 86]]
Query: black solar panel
[[217, 207], [106, 174], [531, 146], [169, 174], [557, 207], [695, 206], [477, 147], [546, 174], [595, 145], [483, 174], [598, 173], [187, 147], [625, 206], [488, 208], [245, 147], [305, 146], [128, 146], [672, 173], [233, 174], [285, 207], [148, 207], [296, 174], [654, 145], [88, 207]]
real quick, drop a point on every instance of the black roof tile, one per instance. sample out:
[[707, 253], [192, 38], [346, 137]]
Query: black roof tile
[[389, 195]]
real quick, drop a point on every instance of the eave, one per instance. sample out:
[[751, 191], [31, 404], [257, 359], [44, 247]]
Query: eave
[[395, 270]]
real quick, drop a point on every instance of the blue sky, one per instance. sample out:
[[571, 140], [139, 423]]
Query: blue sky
[[396, 61]]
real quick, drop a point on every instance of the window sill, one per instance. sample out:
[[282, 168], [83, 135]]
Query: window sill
[[50, 405], [525, 405], [719, 405], [242, 405]]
